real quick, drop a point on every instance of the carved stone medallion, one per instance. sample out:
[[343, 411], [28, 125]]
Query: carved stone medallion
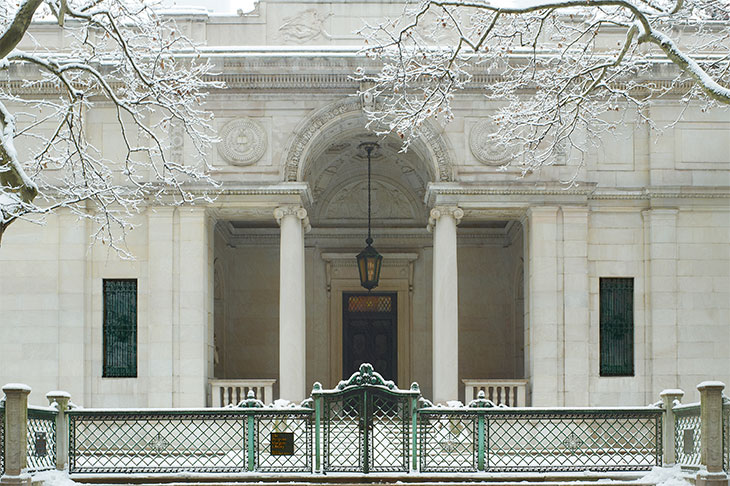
[[484, 145], [243, 141]]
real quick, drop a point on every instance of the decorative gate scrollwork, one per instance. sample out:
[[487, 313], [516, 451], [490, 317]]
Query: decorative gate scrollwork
[[366, 424]]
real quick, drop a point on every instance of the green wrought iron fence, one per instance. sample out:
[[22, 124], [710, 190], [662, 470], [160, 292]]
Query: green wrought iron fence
[[726, 434], [687, 434], [366, 424], [512, 440], [2, 437], [283, 440], [41, 437], [205, 440], [449, 440], [157, 441]]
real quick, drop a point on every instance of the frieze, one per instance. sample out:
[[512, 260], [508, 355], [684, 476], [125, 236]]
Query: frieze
[[306, 25]]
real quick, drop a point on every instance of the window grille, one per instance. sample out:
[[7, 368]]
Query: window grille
[[120, 328], [369, 303], [617, 326]]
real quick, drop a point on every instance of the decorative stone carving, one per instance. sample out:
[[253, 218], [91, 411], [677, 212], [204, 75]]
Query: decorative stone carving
[[351, 202], [305, 26], [454, 211], [304, 135], [177, 142], [484, 146], [243, 141]]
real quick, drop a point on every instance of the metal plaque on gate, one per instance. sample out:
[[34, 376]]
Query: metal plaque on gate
[[282, 443], [40, 444]]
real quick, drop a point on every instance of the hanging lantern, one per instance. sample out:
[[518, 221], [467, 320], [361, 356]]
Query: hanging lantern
[[369, 261]]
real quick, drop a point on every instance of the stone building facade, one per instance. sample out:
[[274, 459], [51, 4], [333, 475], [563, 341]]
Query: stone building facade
[[487, 275]]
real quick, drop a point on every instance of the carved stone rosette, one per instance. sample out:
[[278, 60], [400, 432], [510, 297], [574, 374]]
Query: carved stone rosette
[[484, 146], [454, 211], [297, 211], [243, 141]]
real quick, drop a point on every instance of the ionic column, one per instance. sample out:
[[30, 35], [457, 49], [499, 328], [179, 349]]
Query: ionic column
[[445, 315], [292, 321]]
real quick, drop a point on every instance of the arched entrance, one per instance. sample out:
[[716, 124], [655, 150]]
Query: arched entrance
[[324, 161]]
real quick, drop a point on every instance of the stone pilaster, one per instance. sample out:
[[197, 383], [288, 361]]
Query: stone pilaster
[[292, 318], [73, 241], [576, 335], [195, 306], [16, 432], [445, 330], [661, 289], [162, 269], [544, 344]]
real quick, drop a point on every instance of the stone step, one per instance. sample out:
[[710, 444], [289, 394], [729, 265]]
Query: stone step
[[341, 479]]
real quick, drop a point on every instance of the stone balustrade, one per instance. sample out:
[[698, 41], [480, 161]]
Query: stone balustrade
[[512, 393], [231, 392]]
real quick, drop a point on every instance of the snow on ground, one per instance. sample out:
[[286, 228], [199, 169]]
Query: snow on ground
[[666, 476], [53, 478]]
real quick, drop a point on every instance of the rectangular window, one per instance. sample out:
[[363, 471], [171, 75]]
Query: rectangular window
[[617, 326], [120, 328]]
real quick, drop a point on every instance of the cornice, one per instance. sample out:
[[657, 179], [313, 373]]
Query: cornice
[[589, 191]]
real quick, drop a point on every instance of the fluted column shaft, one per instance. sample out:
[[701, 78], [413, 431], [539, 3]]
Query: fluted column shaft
[[445, 315], [292, 320]]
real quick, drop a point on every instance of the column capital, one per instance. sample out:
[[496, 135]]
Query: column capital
[[437, 212], [292, 210]]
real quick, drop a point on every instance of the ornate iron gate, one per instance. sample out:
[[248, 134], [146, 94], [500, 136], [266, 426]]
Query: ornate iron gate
[[366, 424]]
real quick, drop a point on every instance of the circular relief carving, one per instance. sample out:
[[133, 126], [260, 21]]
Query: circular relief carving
[[243, 141], [484, 145]]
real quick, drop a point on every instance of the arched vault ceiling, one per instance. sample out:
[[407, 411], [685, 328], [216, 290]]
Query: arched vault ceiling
[[338, 178]]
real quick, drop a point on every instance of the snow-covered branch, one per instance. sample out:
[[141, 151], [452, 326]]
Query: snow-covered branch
[[121, 58], [555, 68]]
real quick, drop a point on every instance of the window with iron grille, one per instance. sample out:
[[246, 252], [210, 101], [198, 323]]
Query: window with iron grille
[[617, 326], [120, 328]]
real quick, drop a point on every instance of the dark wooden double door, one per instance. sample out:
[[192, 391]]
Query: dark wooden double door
[[370, 332]]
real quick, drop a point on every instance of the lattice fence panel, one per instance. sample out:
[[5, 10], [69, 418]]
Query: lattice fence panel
[[2, 439], [41, 439], [343, 438], [157, 442], [300, 425], [573, 441], [448, 442], [687, 435], [389, 434], [726, 435]]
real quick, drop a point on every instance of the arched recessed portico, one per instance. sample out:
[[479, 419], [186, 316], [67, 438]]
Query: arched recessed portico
[[446, 327]]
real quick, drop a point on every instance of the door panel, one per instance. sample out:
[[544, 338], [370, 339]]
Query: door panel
[[370, 333]]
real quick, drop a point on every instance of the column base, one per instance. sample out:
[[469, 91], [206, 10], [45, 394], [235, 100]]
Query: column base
[[22, 480], [705, 478]]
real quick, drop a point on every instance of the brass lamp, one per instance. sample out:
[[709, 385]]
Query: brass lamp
[[369, 260]]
